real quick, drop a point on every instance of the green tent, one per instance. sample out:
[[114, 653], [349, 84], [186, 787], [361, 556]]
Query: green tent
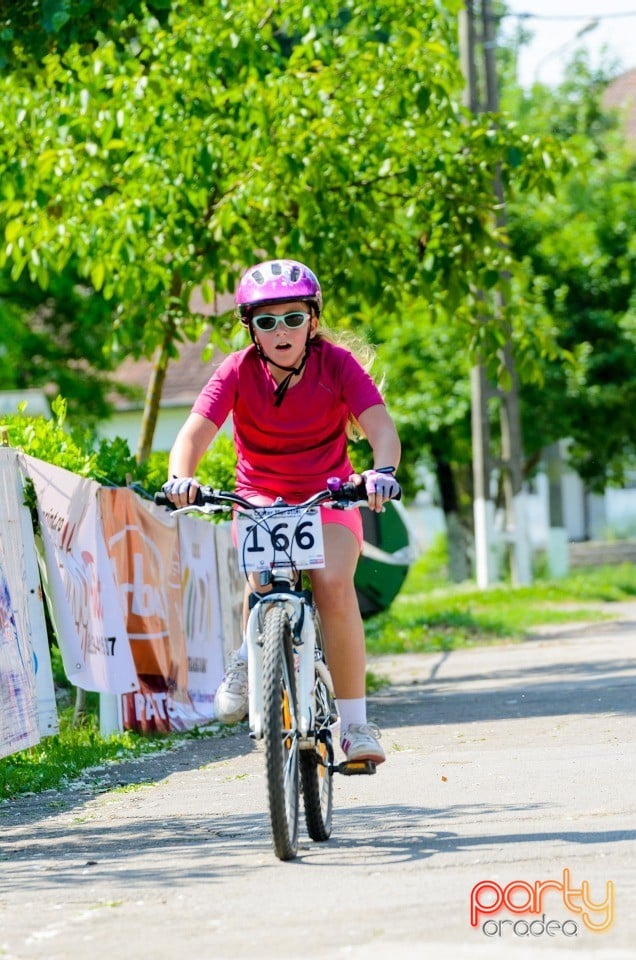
[[387, 552]]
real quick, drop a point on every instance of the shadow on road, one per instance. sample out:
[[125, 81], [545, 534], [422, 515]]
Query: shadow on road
[[211, 848], [554, 689], [405, 831]]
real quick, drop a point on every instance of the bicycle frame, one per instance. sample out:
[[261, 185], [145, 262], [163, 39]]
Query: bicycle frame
[[301, 618]]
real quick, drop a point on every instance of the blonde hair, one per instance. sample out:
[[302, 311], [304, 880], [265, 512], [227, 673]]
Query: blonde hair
[[364, 353]]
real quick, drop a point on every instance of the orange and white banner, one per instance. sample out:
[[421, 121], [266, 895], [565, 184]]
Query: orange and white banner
[[144, 552], [78, 578], [167, 584]]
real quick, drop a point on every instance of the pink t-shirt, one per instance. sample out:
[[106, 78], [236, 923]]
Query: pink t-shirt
[[290, 450]]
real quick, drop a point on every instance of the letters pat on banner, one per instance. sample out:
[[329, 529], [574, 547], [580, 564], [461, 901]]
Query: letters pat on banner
[[166, 579]]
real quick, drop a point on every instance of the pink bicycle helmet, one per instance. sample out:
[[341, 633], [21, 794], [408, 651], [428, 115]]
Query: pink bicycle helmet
[[276, 281]]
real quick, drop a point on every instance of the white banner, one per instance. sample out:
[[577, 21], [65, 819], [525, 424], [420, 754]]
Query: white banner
[[231, 588], [34, 613], [78, 576], [135, 598], [27, 696], [201, 612], [18, 708]]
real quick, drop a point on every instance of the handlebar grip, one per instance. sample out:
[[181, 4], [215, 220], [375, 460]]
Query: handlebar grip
[[350, 491], [162, 500], [361, 492], [342, 491], [354, 491]]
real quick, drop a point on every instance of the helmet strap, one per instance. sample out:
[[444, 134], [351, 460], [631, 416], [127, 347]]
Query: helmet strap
[[281, 389]]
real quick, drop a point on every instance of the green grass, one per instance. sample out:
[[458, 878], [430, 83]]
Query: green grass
[[61, 758], [428, 615]]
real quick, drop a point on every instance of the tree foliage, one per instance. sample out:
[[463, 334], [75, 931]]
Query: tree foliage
[[578, 248], [153, 148], [54, 338], [571, 293]]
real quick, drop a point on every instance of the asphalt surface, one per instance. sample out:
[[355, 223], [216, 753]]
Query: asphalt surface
[[510, 764]]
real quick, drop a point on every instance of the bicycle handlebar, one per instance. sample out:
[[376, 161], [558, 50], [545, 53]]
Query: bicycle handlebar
[[338, 491]]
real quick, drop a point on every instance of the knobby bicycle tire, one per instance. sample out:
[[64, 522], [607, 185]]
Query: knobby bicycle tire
[[280, 733], [317, 781]]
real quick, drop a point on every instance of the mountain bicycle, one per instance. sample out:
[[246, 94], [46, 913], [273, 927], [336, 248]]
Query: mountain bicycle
[[292, 706]]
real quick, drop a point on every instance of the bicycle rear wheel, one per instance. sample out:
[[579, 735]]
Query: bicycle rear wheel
[[280, 732], [317, 781]]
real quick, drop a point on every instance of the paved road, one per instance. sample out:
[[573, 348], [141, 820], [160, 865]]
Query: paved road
[[511, 763]]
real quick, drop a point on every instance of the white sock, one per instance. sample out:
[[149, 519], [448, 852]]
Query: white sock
[[242, 650], [352, 711]]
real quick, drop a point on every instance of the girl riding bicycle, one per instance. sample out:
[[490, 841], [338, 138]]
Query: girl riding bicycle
[[292, 393]]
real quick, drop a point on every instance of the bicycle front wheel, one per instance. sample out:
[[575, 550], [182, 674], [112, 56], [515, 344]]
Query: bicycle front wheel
[[316, 779], [280, 732]]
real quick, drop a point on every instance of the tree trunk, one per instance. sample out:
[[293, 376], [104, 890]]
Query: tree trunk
[[153, 395], [457, 559], [79, 713]]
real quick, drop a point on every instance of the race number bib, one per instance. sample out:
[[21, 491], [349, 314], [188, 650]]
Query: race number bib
[[280, 537]]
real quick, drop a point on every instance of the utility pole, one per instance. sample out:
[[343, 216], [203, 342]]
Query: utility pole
[[510, 418], [558, 555], [483, 504], [511, 446]]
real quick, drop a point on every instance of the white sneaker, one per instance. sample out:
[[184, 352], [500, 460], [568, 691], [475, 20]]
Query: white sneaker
[[360, 742], [231, 700]]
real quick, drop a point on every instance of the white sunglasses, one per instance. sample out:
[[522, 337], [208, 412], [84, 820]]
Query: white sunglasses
[[266, 322]]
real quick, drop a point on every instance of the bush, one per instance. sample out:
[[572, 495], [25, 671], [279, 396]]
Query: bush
[[48, 440], [109, 462], [218, 465]]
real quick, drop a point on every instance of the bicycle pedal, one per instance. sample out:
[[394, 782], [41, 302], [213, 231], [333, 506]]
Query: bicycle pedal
[[356, 768]]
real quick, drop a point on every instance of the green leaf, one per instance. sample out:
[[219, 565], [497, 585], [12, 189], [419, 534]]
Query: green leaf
[[12, 230], [515, 156], [97, 274]]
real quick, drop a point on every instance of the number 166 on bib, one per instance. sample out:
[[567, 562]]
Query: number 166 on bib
[[280, 537]]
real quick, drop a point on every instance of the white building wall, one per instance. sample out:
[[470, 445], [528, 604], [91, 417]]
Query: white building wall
[[127, 425], [621, 511]]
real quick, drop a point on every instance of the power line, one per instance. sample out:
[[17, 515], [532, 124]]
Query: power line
[[570, 16]]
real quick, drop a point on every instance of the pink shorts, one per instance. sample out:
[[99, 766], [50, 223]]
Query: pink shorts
[[352, 519], [346, 518]]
